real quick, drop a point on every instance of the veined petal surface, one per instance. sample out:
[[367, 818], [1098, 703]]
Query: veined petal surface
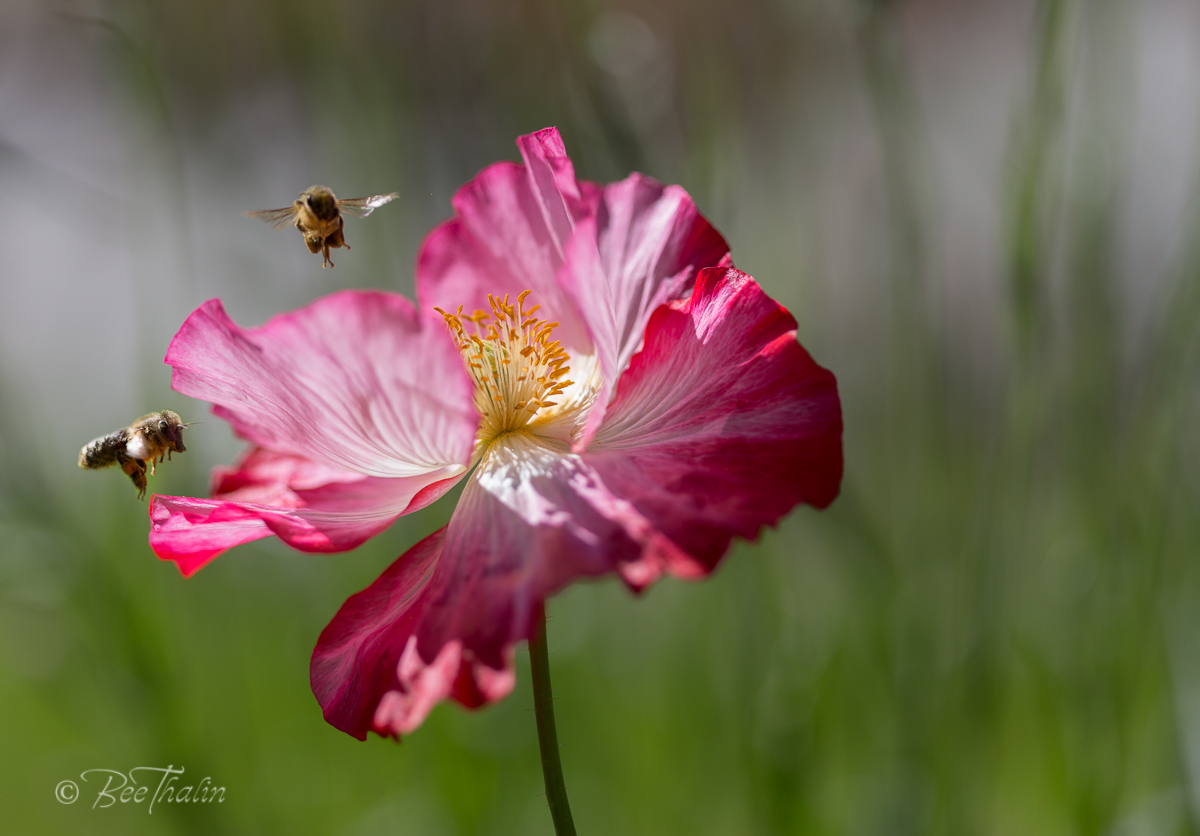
[[357, 381], [642, 247]]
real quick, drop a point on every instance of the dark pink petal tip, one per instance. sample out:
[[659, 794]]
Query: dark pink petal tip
[[366, 670]]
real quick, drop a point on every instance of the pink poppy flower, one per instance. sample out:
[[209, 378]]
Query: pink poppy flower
[[622, 398]]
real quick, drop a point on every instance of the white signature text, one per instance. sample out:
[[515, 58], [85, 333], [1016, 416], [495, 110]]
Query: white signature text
[[148, 785]]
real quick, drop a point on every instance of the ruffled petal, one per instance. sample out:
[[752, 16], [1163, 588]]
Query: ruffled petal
[[722, 423], [366, 672], [642, 247], [552, 175], [358, 381], [512, 224], [309, 506], [651, 241]]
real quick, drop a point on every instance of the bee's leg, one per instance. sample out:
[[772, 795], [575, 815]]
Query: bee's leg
[[135, 469], [128, 465], [328, 260], [338, 238]]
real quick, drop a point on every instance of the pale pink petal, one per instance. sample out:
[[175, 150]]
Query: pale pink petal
[[309, 506], [722, 423], [552, 175], [366, 672], [643, 247], [650, 243], [358, 381], [270, 478], [511, 226]]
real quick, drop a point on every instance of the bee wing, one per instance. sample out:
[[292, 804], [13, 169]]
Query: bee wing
[[277, 218], [360, 207]]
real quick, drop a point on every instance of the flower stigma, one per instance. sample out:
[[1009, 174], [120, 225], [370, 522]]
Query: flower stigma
[[519, 371]]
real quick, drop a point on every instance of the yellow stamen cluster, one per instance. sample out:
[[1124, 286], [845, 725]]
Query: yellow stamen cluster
[[517, 368]]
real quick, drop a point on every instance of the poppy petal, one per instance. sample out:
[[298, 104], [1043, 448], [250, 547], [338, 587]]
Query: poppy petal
[[722, 423], [309, 506], [512, 224], [366, 672], [357, 381], [643, 247]]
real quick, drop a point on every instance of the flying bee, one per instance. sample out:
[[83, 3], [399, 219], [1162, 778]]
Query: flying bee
[[146, 441], [318, 214]]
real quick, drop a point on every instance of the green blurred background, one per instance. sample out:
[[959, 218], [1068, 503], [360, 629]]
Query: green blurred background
[[983, 215]]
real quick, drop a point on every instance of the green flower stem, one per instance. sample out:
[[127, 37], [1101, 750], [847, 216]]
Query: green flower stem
[[543, 709]]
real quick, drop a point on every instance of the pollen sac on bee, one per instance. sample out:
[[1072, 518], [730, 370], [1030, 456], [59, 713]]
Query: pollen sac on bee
[[517, 368]]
